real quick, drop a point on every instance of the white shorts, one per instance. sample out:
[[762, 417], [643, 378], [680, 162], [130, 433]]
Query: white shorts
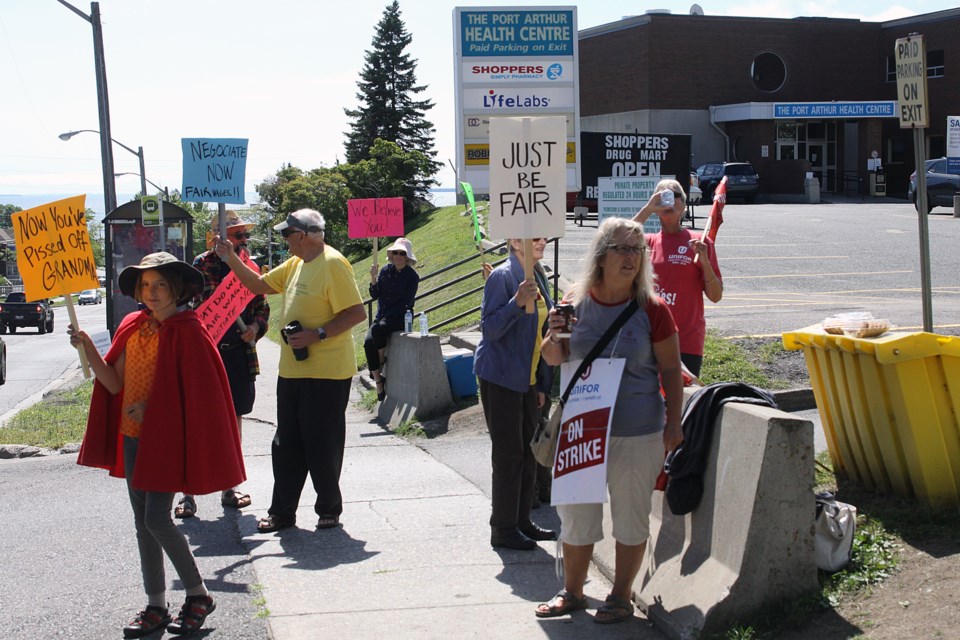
[[632, 469]]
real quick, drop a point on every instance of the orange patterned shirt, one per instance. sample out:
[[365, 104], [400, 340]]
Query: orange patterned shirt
[[139, 368]]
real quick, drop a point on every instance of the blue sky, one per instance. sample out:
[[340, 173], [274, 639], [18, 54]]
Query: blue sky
[[279, 73]]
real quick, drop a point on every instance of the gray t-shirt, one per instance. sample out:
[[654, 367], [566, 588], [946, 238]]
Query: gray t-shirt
[[639, 409]]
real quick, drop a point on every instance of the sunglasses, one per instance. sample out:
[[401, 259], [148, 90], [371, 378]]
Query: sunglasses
[[286, 233], [240, 236], [626, 249], [398, 253]]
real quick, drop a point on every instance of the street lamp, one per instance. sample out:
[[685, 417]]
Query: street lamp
[[103, 102], [165, 190], [138, 153]]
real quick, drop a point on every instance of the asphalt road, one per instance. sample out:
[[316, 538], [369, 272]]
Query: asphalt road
[[786, 267], [36, 362]]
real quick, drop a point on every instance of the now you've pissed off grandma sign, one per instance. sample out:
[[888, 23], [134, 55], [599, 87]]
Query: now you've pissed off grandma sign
[[54, 254]]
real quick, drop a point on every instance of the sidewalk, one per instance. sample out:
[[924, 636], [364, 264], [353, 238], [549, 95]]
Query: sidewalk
[[411, 558]]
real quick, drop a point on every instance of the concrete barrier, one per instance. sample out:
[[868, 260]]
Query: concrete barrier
[[750, 541], [417, 384]]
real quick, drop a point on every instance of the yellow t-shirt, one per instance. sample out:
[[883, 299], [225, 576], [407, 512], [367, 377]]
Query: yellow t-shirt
[[313, 293], [541, 318]]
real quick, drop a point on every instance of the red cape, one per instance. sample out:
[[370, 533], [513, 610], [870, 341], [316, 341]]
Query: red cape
[[189, 440]]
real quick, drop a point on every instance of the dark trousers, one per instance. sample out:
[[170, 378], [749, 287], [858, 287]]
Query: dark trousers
[[511, 420], [692, 362], [311, 432], [156, 533], [376, 339]]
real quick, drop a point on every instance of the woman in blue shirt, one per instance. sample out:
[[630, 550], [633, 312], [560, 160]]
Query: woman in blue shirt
[[514, 383], [394, 290]]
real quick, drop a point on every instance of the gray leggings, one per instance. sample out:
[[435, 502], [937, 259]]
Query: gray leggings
[[156, 532]]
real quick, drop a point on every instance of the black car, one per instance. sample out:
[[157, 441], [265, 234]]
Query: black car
[[941, 186], [742, 180]]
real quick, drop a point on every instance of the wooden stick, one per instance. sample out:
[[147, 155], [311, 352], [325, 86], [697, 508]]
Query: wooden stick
[[76, 327], [376, 251], [528, 269]]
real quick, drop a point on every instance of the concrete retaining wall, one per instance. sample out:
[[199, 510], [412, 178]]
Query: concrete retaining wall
[[750, 541], [417, 382]]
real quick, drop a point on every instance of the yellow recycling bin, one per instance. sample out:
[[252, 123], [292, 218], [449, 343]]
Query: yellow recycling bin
[[890, 408]]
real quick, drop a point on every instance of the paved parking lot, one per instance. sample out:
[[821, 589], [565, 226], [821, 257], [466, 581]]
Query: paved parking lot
[[788, 266]]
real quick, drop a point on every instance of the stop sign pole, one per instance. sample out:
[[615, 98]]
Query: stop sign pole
[[910, 54]]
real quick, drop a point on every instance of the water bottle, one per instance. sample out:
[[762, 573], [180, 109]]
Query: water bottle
[[423, 324], [408, 321]]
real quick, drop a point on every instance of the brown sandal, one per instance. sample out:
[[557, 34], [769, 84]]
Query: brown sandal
[[186, 508], [570, 604], [236, 499]]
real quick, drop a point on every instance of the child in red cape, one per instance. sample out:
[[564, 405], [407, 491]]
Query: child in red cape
[[161, 416]]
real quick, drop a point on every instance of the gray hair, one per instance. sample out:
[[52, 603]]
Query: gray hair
[[609, 231]]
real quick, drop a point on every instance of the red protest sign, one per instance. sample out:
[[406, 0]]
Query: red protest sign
[[228, 301], [374, 217]]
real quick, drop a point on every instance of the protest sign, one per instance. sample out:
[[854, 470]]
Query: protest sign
[[374, 217], [228, 301], [468, 191], [580, 467], [624, 197], [214, 169], [54, 254], [528, 177]]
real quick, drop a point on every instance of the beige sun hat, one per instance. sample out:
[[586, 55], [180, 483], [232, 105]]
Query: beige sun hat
[[402, 244], [233, 220]]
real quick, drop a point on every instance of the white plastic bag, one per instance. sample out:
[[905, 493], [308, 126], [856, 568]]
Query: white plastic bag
[[835, 527]]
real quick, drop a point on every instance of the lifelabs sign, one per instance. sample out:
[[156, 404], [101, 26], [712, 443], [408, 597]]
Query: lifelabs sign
[[910, 56]]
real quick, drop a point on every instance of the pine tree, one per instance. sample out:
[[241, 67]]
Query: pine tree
[[388, 110]]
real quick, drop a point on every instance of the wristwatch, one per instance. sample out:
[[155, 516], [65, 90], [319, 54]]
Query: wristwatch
[[321, 333]]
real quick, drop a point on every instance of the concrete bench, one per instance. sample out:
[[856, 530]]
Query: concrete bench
[[749, 543]]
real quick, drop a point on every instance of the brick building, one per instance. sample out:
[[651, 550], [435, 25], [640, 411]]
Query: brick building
[[788, 95]]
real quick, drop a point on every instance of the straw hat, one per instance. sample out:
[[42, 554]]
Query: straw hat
[[233, 220], [163, 261]]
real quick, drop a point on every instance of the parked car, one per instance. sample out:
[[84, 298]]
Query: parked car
[[696, 194], [3, 361], [742, 180], [16, 312], [90, 296], [941, 186]]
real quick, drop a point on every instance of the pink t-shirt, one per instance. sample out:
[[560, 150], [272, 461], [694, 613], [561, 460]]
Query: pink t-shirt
[[680, 283]]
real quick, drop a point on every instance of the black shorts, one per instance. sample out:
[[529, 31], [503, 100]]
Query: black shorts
[[242, 384]]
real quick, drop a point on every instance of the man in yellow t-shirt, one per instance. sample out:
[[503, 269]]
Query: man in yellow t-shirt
[[319, 293]]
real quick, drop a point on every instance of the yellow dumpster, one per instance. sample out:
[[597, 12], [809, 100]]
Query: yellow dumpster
[[890, 408]]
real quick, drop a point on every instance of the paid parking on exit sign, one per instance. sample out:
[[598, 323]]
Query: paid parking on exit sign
[[150, 210], [910, 56]]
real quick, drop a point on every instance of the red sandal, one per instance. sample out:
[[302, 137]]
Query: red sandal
[[192, 614], [147, 621]]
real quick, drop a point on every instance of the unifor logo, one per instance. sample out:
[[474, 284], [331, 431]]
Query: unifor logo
[[681, 249], [586, 372], [496, 100], [555, 71]]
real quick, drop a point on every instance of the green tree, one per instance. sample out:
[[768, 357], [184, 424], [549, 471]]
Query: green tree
[[388, 109], [7, 210], [95, 234]]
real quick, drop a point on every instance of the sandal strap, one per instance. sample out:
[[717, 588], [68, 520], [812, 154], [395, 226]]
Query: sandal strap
[[194, 611]]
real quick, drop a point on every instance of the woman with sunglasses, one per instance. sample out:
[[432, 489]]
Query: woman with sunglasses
[[644, 422], [686, 267], [394, 289]]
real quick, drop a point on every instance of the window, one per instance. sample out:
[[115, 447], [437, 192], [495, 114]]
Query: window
[[935, 64], [768, 72], [897, 149]]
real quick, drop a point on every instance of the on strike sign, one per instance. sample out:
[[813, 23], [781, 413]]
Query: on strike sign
[[580, 468], [528, 177], [54, 255]]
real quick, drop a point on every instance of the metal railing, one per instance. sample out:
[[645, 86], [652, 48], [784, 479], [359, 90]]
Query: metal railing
[[554, 277]]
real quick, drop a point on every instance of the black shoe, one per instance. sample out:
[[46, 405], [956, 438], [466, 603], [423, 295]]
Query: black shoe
[[535, 532], [192, 614], [511, 539], [147, 621]]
